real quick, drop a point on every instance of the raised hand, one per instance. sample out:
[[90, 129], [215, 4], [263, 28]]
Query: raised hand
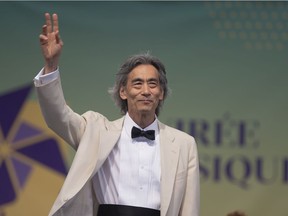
[[51, 43]]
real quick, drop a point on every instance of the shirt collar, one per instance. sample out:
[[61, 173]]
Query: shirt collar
[[129, 123]]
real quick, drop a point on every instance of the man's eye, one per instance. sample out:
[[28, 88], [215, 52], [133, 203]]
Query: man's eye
[[137, 84], [152, 84]]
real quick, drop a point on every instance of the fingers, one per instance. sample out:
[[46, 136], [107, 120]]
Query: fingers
[[55, 22], [44, 30], [43, 37], [48, 22], [56, 29], [58, 39], [52, 27]]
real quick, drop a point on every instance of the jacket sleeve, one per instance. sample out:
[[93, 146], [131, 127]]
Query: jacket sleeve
[[58, 115], [191, 200]]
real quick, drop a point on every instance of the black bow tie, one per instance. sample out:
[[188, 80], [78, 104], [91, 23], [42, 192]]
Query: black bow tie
[[136, 132]]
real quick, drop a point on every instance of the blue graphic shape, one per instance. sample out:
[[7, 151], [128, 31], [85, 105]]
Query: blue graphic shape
[[22, 170], [26, 131], [46, 152], [10, 105], [7, 193]]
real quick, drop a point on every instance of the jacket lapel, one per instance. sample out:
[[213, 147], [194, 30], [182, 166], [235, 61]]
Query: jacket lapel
[[108, 139], [169, 160]]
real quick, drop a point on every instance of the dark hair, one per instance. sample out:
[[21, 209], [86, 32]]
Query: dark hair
[[126, 68]]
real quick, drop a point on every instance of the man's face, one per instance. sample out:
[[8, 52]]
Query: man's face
[[142, 91]]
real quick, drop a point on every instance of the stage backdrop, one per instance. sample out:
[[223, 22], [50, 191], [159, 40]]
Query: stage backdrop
[[227, 67]]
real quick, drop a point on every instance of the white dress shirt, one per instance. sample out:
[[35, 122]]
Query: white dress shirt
[[131, 173], [43, 79]]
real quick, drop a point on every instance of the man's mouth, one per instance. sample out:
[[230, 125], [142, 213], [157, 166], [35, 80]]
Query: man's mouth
[[146, 101]]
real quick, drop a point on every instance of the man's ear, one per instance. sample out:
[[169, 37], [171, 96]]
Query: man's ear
[[122, 93]]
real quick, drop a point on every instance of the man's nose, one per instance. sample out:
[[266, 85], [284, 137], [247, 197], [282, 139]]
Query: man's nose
[[145, 89]]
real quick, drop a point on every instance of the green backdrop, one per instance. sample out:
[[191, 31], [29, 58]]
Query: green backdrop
[[227, 69]]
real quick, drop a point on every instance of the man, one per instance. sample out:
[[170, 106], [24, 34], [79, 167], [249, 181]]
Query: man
[[132, 166]]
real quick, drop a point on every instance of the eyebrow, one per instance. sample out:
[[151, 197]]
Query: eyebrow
[[141, 80]]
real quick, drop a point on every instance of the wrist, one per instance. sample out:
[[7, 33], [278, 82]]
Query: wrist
[[50, 67]]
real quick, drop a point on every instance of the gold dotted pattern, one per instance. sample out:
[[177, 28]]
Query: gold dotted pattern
[[258, 25]]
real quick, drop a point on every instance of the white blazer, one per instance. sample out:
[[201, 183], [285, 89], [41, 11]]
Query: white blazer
[[93, 137]]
